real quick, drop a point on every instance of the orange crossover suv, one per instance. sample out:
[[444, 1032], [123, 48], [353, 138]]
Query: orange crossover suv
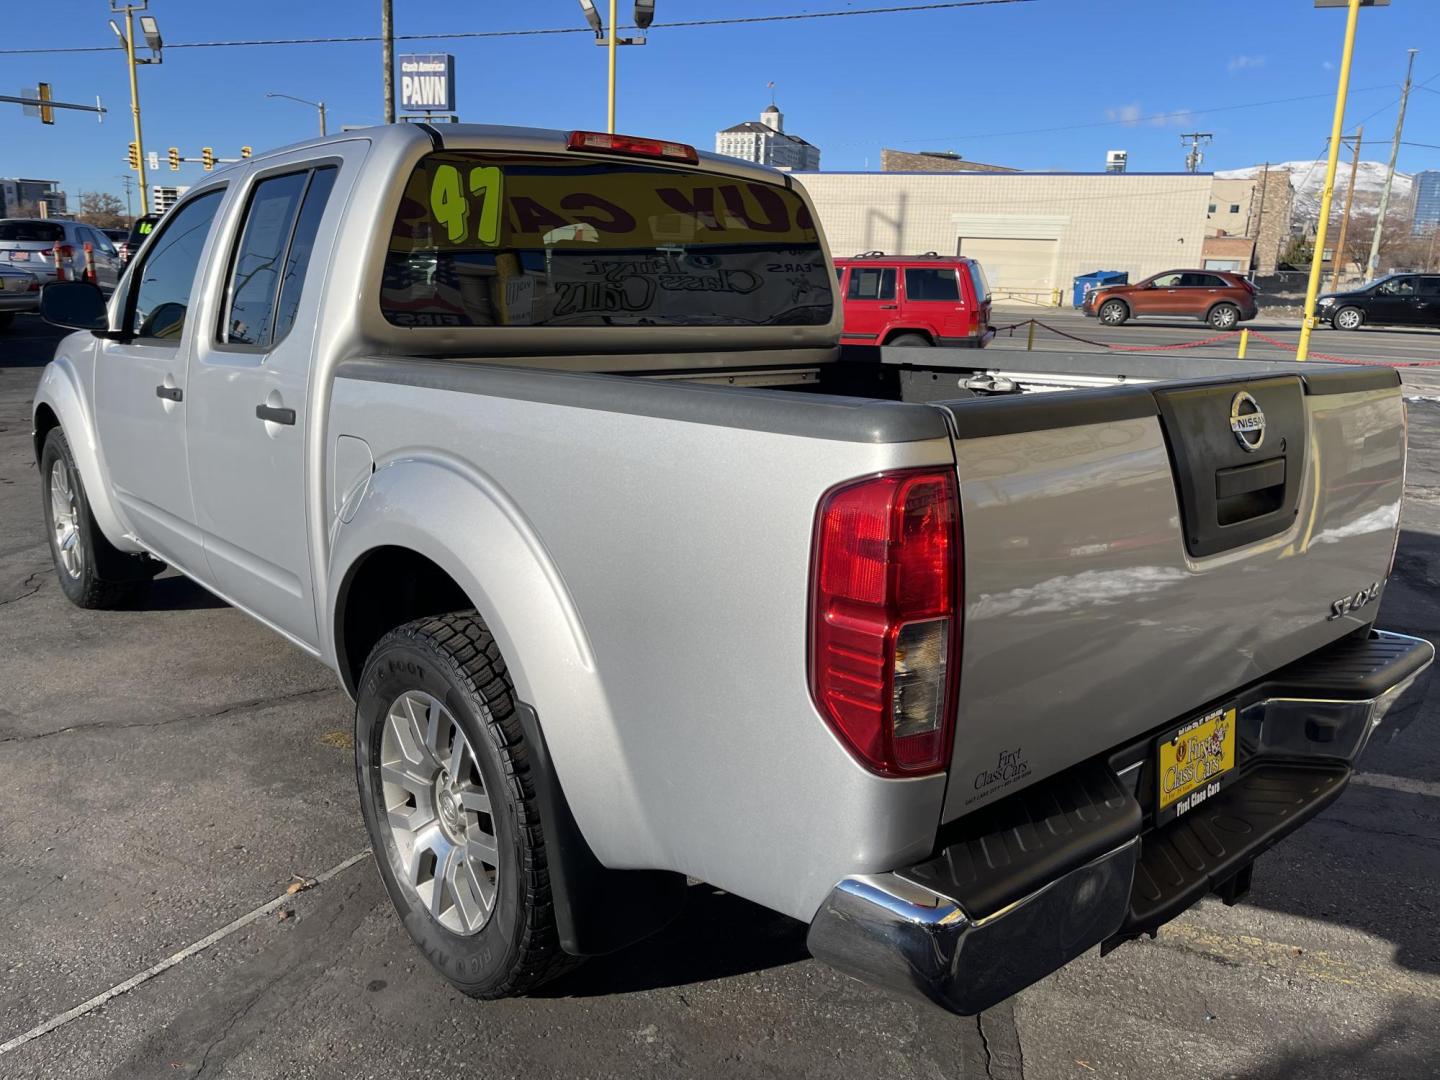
[[1219, 297]]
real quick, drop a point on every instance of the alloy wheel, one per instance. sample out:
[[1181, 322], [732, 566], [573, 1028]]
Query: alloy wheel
[[65, 520], [438, 813], [1348, 319]]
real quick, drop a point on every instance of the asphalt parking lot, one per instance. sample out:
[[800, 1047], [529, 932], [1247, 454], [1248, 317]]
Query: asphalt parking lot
[[166, 770]]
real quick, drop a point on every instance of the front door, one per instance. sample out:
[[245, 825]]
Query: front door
[[870, 303], [250, 382], [1394, 301], [1161, 297], [140, 387]]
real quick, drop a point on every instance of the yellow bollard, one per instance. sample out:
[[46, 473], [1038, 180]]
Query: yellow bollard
[[1244, 341], [1030, 337]]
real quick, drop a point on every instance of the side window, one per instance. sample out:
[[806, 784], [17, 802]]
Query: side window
[[1204, 281], [272, 256], [1168, 281], [982, 287], [1430, 286], [932, 283], [871, 283], [167, 277], [1400, 286]]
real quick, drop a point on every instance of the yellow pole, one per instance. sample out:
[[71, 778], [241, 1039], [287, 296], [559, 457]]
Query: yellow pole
[[1337, 128], [612, 44], [135, 108], [1244, 341], [1030, 337]]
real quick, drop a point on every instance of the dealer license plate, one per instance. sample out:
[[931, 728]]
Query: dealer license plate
[[19, 256], [1194, 762]]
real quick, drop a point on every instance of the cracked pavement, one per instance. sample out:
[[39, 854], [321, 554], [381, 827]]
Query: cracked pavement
[[166, 769]]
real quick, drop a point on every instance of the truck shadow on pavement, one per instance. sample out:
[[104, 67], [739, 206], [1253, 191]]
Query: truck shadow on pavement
[[1402, 1046], [173, 591], [715, 936]]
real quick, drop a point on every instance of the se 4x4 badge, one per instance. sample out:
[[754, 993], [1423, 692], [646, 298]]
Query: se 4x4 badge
[[1355, 601]]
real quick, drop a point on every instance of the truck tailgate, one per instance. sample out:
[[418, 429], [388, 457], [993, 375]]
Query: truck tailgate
[[1127, 561]]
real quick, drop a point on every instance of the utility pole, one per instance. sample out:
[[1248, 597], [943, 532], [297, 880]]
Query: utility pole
[[610, 44], [1338, 259], [1196, 140], [644, 15], [127, 180], [1258, 228], [387, 48], [1372, 265], [1337, 129]]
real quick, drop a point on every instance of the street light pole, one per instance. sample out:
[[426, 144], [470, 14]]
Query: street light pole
[[1337, 130], [129, 39], [611, 46], [318, 105]]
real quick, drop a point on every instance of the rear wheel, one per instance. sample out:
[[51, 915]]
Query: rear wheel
[[1224, 316], [93, 573], [1348, 318], [449, 800], [1113, 312], [910, 340]]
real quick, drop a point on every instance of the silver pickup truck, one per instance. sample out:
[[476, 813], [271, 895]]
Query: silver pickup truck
[[545, 444]]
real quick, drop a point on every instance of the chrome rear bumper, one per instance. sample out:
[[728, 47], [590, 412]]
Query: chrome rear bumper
[[892, 931]]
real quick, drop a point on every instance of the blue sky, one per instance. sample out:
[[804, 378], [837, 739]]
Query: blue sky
[[1050, 84]]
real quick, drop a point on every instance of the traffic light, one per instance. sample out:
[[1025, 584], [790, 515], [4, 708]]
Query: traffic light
[[174, 159], [47, 114], [245, 151], [134, 156], [207, 158]]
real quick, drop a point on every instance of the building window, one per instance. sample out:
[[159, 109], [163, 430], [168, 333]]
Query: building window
[[1212, 208], [1234, 208]]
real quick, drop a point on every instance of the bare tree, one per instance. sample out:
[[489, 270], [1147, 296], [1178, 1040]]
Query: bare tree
[[101, 209]]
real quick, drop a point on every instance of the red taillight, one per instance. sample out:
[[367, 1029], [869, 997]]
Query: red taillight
[[65, 251], [885, 624], [34, 286], [602, 143]]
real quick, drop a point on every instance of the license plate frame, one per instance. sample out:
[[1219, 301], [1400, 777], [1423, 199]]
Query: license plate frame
[[1205, 748]]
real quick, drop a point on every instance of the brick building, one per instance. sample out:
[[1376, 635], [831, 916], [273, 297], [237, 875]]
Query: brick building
[[934, 161]]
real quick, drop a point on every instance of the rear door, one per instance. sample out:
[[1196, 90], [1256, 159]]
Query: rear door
[[933, 299], [102, 250], [250, 389], [870, 303], [1427, 308]]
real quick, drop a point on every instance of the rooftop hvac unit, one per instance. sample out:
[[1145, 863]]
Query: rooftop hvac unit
[[1115, 160]]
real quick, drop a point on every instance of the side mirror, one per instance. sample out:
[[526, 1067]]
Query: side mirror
[[75, 305]]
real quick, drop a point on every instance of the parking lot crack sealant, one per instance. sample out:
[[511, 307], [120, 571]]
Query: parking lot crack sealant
[[170, 961]]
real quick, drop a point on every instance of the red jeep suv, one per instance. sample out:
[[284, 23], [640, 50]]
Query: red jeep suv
[[1218, 297], [914, 300]]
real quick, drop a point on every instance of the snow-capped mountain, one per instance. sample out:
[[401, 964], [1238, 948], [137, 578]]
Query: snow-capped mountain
[[1307, 178]]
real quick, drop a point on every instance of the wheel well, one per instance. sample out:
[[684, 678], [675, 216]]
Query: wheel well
[[904, 331], [1114, 300], [387, 587], [45, 421], [1221, 303]]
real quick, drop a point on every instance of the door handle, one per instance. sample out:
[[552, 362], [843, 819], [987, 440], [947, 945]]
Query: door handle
[[888, 307], [169, 393], [274, 415]]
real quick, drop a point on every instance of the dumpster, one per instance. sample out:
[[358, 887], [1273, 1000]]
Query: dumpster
[[1087, 283]]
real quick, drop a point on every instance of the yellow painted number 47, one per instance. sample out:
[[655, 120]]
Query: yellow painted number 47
[[451, 206]]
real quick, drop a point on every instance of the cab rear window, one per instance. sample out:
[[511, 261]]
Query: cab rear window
[[493, 240]]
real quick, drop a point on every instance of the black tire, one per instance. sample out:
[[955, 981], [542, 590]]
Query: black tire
[[1223, 317], [103, 576], [1348, 318], [454, 659], [910, 340], [1113, 312]]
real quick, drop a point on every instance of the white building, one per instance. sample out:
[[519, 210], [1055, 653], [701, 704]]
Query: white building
[[767, 143], [164, 196]]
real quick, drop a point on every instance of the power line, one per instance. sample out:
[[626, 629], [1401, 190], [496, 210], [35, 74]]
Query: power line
[[903, 9]]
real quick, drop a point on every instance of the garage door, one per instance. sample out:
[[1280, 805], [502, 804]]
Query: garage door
[[1014, 266]]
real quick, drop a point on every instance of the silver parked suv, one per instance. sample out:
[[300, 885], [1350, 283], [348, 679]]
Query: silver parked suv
[[29, 244]]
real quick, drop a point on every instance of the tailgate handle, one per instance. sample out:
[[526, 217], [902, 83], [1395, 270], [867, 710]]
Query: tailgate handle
[[1243, 479]]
